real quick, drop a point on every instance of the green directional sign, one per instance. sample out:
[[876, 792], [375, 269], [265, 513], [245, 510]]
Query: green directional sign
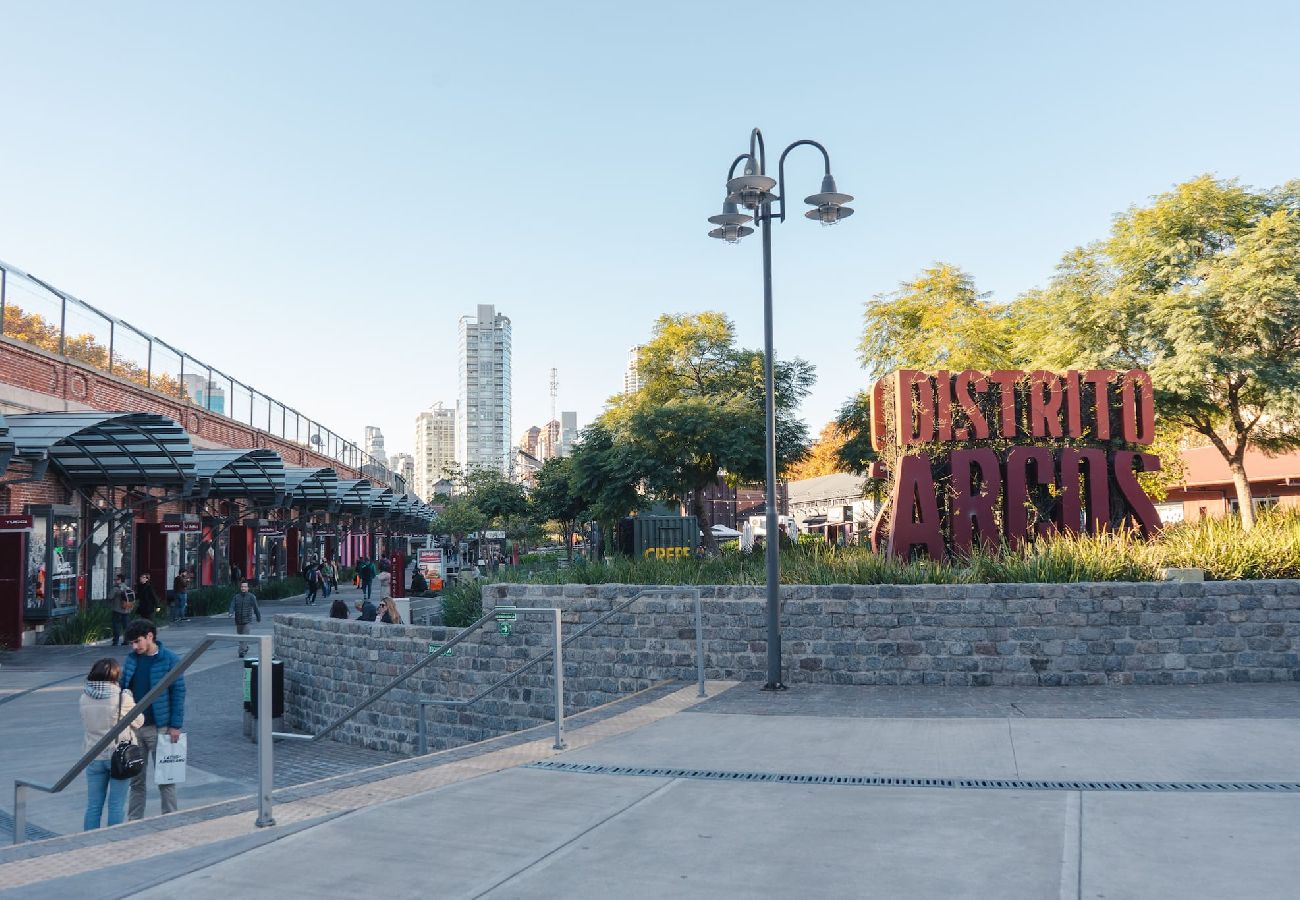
[[434, 648], [503, 627], [505, 613]]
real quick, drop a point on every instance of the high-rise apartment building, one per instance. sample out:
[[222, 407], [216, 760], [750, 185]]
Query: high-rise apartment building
[[435, 448], [483, 401], [528, 440], [631, 376], [403, 464], [374, 445], [568, 432]]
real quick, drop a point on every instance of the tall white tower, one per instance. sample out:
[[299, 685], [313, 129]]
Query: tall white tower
[[375, 444], [483, 400], [435, 448]]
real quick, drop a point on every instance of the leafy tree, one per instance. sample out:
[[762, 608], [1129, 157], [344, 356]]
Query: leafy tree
[[854, 422], [1202, 288], [605, 474], [824, 456], [700, 410], [458, 518], [938, 321], [556, 498]]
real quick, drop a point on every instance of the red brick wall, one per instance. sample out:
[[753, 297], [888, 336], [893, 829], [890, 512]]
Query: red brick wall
[[35, 370]]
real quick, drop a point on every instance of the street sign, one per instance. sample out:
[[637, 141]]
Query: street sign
[[495, 535], [503, 627], [434, 648], [505, 613]]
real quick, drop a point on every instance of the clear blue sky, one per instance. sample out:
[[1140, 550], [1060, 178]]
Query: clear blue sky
[[311, 194]]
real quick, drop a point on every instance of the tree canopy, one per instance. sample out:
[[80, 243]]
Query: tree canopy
[[1201, 287], [699, 414]]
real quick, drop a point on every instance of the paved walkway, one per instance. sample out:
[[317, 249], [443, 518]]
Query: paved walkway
[[42, 734], [737, 816]]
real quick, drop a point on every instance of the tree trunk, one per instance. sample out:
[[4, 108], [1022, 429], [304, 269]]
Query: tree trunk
[[568, 542], [706, 527], [1245, 502]]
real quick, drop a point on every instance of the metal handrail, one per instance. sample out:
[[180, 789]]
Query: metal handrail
[[422, 745], [264, 756], [398, 679], [478, 623]]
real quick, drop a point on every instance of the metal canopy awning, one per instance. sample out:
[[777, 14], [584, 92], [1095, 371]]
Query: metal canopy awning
[[107, 449], [354, 496], [401, 505], [310, 486], [381, 501], [258, 475]]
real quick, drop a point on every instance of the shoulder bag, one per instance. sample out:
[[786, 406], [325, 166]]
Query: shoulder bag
[[127, 760]]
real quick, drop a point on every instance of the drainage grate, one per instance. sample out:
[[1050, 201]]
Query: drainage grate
[[34, 832], [996, 784]]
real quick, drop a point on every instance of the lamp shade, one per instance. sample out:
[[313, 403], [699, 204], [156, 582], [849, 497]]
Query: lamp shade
[[730, 215]]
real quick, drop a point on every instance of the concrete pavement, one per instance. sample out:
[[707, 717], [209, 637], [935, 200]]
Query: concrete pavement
[[486, 821], [39, 691]]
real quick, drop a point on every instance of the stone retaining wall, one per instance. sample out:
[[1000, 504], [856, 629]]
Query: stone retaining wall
[[1058, 634]]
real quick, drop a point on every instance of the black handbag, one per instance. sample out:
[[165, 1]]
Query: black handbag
[[127, 760]]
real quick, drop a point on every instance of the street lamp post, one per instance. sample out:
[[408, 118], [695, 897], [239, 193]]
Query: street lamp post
[[754, 191]]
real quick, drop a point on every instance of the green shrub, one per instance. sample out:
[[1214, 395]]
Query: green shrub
[[1219, 546], [462, 604], [85, 626], [214, 599]]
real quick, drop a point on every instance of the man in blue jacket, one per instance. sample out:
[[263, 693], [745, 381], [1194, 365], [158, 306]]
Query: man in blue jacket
[[147, 664]]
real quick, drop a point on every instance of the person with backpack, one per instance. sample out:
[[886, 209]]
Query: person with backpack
[[366, 571], [328, 578], [102, 704], [311, 575]]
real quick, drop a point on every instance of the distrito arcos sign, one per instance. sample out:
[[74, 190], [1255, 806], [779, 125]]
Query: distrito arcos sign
[[1010, 455]]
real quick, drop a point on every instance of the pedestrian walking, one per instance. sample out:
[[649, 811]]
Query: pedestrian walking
[[121, 606], [181, 594], [146, 601], [328, 578], [311, 575], [385, 582], [103, 702], [147, 665], [366, 572], [244, 606]]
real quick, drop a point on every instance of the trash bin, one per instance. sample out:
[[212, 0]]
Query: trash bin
[[250, 695]]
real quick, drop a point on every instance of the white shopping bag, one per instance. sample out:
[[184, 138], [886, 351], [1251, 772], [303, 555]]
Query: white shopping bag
[[169, 760]]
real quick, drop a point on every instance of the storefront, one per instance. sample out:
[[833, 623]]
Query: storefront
[[243, 543], [74, 545]]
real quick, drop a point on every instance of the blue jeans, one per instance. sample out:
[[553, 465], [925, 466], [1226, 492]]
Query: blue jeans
[[365, 588], [325, 586], [98, 783], [182, 603]]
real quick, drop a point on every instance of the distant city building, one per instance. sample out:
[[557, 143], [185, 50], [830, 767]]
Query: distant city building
[[403, 464], [435, 449], [483, 400], [548, 442], [207, 394], [374, 445], [525, 467], [528, 440], [631, 373], [568, 432]]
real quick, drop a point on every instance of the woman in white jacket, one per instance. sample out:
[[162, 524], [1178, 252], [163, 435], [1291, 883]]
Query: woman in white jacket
[[102, 703]]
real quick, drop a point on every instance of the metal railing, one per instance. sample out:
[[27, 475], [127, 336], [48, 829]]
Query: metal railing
[[422, 739], [555, 652], [39, 314], [265, 759]]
